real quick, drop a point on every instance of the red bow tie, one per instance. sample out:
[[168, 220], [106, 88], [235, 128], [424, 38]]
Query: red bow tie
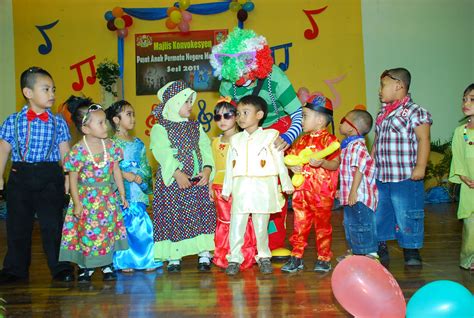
[[30, 115]]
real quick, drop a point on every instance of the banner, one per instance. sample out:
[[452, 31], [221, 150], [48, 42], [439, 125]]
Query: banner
[[164, 57]]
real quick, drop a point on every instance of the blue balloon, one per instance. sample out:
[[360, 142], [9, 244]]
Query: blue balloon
[[108, 16], [442, 298], [248, 6]]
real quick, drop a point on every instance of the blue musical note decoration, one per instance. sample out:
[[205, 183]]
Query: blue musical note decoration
[[284, 65], [46, 48], [204, 118]]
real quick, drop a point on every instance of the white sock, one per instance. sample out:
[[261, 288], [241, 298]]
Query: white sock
[[174, 262], [205, 254]]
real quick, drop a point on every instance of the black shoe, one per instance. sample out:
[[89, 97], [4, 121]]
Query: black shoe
[[412, 257], [66, 276], [293, 265], [173, 268], [108, 273], [84, 275], [6, 278], [204, 264], [382, 252], [322, 266]]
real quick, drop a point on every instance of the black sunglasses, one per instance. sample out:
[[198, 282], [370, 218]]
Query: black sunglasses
[[218, 117]]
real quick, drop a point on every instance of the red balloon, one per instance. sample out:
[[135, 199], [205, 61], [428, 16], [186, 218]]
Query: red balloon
[[111, 25], [128, 20], [366, 289], [242, 15], [122, 33]]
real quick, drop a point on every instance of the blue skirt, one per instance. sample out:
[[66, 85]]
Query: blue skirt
[[140, 240]]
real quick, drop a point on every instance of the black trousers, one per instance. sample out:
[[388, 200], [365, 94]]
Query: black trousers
[[34, 188]]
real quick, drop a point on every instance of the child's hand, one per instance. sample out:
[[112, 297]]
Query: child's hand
[[418, 173], [338, 194], [316, 162], [124, 201], [468, 181], [281, 144], [138, 179], [225, 197], [211, 193], [78, 210], [182, 179], [204, 174], [352, 200], [129, 176], [296, 169]]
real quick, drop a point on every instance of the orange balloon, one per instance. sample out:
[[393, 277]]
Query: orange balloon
[[117, 12], [169, 24]]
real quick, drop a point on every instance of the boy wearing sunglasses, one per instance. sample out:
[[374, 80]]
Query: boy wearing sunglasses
[[358, 192], [401, 149], [313, 200]]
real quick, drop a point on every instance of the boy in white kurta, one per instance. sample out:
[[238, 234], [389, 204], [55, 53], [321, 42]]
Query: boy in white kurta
[[253, 168]]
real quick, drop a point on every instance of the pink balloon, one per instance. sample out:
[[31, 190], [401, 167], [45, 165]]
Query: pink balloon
[[366, 289], [122, 33], [303, 94], [183, 26], [187, 16]]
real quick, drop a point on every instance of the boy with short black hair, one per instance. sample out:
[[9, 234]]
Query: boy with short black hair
[[401, 149], [38, 141], [357, 190], [253, 168]]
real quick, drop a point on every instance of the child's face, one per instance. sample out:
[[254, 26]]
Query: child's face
[[388, 91], [248, 117], [185, 110], [96, 125], [347, 126], [226, 119], [468, 104], [41, 96], [126, 121], [312, 120]]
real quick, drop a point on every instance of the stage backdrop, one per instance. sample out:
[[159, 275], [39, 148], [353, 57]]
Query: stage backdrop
[[317, 43]]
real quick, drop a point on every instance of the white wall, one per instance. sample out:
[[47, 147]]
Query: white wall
[[434, 40], [7, 61]]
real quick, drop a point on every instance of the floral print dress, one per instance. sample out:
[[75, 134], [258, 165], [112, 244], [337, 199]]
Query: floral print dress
[[90, 241]]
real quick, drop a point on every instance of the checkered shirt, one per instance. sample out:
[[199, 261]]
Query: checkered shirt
[[396, 145], [356, 156], [40, 139]]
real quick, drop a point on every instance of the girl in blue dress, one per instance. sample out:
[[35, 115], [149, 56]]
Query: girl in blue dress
[[137, 179]]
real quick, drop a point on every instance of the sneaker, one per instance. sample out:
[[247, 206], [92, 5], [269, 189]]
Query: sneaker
[[174, 267], [293, 265], [84, 275], [108, 273], [265, 266], [412, 257], [344, 256], [232, 269], [322, 266], [383, 254], [204, 264]]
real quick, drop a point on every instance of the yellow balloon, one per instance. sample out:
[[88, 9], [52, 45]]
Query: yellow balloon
[[297, 180], [305, 155], [326, 151], [175, 16], [292, 160], [184, 4], [241, 1], [234, 6]]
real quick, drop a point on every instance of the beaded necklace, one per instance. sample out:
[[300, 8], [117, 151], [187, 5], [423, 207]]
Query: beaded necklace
[[91, 157], [466, 138]]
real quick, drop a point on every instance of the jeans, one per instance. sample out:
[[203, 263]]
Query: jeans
[[360, 228], [400, 212]]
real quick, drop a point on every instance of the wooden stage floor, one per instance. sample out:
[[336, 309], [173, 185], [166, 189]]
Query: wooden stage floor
[[194, 294]]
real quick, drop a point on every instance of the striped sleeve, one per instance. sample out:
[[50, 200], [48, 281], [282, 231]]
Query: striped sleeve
[[295, 128]]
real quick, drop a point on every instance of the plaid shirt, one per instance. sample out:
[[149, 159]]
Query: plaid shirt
[[395, 144], [41, 137], [355, 156]]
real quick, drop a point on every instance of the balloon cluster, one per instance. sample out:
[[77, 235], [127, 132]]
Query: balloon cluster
[[179, 17], [242, 7], [118, 21]]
